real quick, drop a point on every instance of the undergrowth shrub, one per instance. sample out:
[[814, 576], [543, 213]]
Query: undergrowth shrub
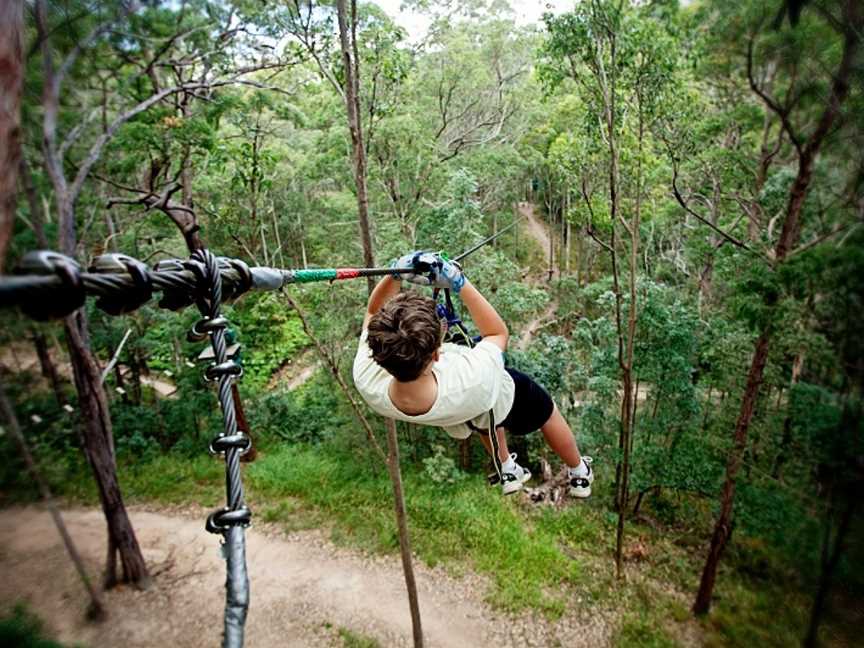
[[23, 629]]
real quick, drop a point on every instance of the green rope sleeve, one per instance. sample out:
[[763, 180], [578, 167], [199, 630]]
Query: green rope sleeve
[[308, 276]]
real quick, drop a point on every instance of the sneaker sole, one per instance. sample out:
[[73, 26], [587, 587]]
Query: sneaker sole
[[580, 493], [515, 487]]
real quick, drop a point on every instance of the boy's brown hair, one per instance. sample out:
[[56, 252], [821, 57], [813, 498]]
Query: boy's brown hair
[[405, 334]]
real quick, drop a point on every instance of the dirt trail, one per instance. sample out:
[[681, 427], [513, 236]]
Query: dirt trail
[[537, 230], [303, 590]]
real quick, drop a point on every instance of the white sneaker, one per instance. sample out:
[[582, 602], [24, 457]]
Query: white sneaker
[[513, 478], [581, 486]]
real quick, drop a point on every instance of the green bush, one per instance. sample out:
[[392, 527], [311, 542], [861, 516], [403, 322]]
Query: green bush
[[23, 629]]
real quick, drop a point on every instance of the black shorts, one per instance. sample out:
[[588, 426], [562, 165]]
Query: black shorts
[[532, 405]]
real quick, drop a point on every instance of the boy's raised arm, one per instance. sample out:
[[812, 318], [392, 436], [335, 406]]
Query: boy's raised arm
[[386, 289], [488, 321]]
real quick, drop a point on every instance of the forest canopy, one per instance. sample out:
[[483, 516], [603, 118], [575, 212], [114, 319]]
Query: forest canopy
[[676, 192]]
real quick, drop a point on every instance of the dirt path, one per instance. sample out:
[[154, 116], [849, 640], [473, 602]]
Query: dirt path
[[295, 372], [304, 589], [537, 230]]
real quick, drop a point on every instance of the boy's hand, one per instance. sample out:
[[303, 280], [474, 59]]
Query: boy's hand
[[430, 269], [448, 274], [420, 262]]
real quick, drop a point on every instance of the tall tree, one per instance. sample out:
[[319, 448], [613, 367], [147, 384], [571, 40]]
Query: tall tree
[[62, 155], [92, 401], [351, 70], [11, 83], [616, 57], [807, 137], [312, 28]]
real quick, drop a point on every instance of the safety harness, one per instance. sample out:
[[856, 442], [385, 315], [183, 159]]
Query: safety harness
[[457, 333]]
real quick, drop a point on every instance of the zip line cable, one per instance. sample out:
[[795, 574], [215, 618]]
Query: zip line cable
[[485, 241], [51, 285]]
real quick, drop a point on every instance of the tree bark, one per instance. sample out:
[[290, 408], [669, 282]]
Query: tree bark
[[99, 449], [11, 84], [723, 527], [402, 523], [786, 439], [37, 216], [49, 371], [352, 106], [98, 438]]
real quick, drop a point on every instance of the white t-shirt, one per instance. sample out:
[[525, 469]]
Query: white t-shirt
[[470, 383]]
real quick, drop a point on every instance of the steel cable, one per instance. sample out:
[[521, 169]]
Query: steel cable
[[231, 521]]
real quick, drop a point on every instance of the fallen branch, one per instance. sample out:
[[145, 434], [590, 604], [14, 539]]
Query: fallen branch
[[113, 361]]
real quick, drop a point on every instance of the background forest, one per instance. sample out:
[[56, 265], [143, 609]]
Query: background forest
[[696, 172]]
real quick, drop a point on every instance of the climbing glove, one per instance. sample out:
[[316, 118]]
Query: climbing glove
[[430, 269], [420, 262], [448, 274]]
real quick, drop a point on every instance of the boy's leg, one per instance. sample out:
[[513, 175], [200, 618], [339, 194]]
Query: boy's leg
[[503, 450], [512, 474], [560, 438]]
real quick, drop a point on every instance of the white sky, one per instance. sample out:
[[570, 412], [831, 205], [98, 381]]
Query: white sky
[[527, 12]]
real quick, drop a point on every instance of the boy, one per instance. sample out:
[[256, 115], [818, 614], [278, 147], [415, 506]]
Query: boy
[[403, 371]]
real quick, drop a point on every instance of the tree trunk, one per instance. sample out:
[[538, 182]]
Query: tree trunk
[[37, 216], [567, 250], [11, 82], [98, 440], [551, 230], [708, 408], [723, 527], [786, 439], [830, 558], [402, 523], [352, 106], [99, 448], [465, 454], [49, 371]]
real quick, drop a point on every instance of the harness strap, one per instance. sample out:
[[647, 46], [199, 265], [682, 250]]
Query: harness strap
[[455, 327]]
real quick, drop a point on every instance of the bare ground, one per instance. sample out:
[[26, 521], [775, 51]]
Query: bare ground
[[537, 231], [296, 371], [304, 589]]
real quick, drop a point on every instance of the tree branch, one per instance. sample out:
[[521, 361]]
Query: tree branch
[[734, 241], [782, 113], [334, 369], [99, 144], [115, 357]]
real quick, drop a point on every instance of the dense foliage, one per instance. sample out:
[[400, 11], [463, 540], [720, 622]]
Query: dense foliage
[[696, 117]]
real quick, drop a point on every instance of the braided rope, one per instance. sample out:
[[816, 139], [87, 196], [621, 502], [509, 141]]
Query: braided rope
[[50, 285], [233, 519]]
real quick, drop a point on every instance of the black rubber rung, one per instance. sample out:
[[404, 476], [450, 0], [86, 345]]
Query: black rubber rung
[[226, 442], [206, 325], [229, 367], [219, 521]]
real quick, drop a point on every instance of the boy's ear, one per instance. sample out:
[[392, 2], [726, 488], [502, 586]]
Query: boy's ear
[[436, 356]]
